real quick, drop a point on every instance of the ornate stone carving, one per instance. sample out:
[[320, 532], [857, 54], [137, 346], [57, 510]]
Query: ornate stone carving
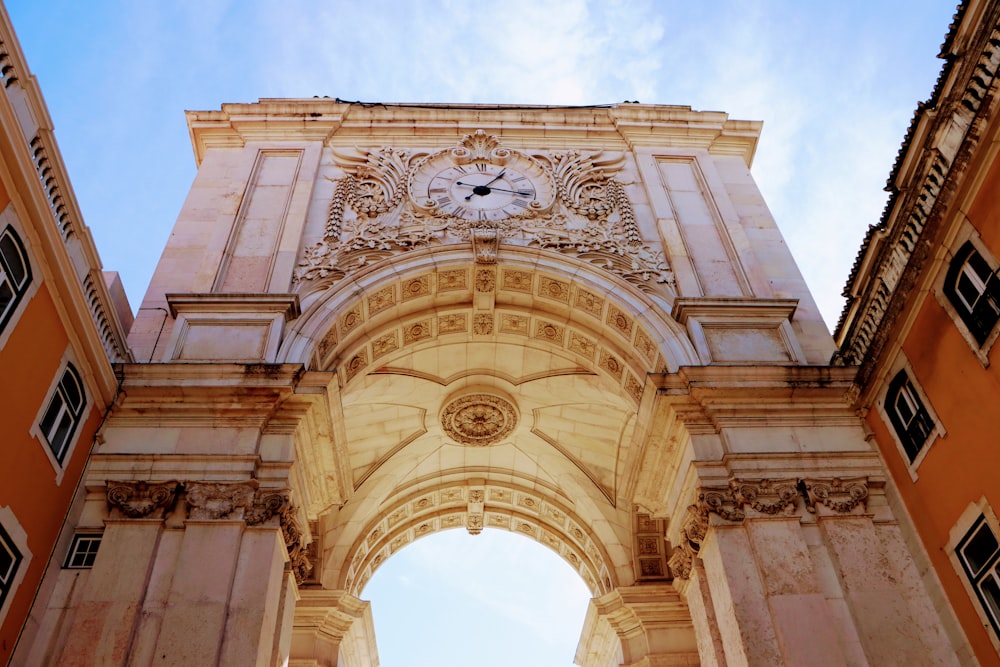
[[267, 504], [298, 556], [485, 245], [766, 496], [371, 218], [486, 280], [220, 501], [139, 500], [839, 495], [478, 419], [482, 325], [770, 497]]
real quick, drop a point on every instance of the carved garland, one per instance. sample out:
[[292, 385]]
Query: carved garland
[[208, 501], [768, 497], [370, 218]]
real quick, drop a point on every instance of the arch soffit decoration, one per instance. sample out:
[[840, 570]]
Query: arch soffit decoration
[[474, 505], [435, 296]]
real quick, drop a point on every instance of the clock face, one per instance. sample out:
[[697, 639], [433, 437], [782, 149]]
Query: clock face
[[482, 191]]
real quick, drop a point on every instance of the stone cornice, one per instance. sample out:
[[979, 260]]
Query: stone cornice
[[945, 137], [716, 396], [348, 123]]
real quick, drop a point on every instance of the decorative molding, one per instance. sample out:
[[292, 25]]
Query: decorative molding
[[139, 500], [267, 504], [220, 501], [944, 135], [478, 420], [744, 499], [370, 217], [840, 495]]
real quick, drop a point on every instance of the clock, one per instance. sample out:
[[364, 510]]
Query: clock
[[482, 190]]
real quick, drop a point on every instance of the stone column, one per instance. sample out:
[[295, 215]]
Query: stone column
[[100, 629], [208, 585], [639, 626], [225, 595], [799, 572], [332, 629], [693, 588]]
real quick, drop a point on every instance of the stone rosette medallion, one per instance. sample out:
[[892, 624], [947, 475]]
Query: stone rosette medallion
[[478, 420]]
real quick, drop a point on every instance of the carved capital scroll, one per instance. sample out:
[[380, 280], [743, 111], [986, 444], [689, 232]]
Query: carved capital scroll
[[220, 501], [763, 497], [839, 495], [267, 504], [139, 500]]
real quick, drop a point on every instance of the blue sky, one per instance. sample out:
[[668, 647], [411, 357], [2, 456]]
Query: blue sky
[[834, 82]]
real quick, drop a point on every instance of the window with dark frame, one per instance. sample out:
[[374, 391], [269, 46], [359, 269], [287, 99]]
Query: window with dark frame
[[973, 288], [979, 553], [908, 415], [10, 561], [15, 273], [83, 551], [63, 413]]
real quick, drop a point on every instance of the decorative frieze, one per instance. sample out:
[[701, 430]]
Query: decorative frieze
[[840, 495], [745, 499], [220, 501], [140, 500]]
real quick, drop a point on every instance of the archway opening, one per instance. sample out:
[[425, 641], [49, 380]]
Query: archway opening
[[495, 599]]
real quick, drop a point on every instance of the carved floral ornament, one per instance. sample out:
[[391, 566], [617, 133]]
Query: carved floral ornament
[[568, 201], [211, 501], [747, 498], [478, 420]]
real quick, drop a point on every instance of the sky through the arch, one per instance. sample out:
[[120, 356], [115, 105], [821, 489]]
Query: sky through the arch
[[834, 83]]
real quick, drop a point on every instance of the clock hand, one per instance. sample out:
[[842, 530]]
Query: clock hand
[[522, 193], [499, 176]]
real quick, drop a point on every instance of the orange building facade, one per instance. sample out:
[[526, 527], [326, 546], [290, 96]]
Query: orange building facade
[[59, 333], [921, 322]]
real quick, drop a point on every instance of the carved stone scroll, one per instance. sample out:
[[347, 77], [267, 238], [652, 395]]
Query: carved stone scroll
[[139, 500], [220, 501], [267, 504], [762, 496], [839, 495]]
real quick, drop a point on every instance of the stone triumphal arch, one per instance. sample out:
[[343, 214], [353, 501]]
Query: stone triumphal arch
[[372, 323]]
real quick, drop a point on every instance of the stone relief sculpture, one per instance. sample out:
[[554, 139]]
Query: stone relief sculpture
[[394, 200], [765, 497]]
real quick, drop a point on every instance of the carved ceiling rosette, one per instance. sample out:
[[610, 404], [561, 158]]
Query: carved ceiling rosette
[[392, 200], [479, 419]]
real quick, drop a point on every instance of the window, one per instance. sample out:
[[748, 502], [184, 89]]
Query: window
[[10, 561], [83, 551], [910, 419], [63, 413], [15, 273], [974, 290], [979, 554]]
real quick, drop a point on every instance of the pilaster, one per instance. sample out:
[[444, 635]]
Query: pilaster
[[332, 629], [638, 626]]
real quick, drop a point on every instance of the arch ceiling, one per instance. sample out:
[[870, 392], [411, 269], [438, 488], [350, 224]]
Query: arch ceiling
[[501, 395]]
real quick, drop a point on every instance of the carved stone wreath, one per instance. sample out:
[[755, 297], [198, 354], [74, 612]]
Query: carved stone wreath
[[478, 420]]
